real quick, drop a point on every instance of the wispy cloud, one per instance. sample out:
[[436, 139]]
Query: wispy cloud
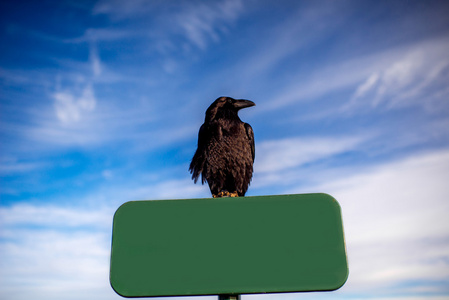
[[387, 210], [70, 108], [48, 250], [200, 23], [171, 189], [107, 105], [50, 216], [394, 234], [281, 155], [296, 164], [405, 75], [95, 60], [102, 35], [302, 29], [59, 251], [119, 10], [418, 77], [366, 86], [204, 22]]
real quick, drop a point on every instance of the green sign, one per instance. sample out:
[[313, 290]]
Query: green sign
[[263, 244]]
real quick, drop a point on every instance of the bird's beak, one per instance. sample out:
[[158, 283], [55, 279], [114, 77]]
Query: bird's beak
[[239, 104]]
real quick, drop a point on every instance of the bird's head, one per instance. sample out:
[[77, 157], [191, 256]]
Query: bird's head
[[226, 107]]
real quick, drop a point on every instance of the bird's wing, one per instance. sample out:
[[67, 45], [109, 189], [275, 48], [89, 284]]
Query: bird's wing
[[197, 164], [250, 135]]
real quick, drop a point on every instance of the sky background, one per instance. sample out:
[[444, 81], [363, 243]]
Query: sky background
[[101, 102]]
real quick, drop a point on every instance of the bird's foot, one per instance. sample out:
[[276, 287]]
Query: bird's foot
[[226, 194], [223, 194], [234, 194]]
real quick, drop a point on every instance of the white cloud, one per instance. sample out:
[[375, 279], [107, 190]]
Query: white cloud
[[118, 10], [203, 22], [413, 74], [396, 226], [107, 174], [102, 35], [417, 77], [172, 189], [326, 80], [367, 85], [70, 108], [136, 124], [303, 28], [13, 166], [281, 155], [32, 215], [95, 61], [394, 215], [50, 252], [60, 252]]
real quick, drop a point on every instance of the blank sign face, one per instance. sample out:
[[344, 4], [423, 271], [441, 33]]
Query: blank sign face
[[263, 244]]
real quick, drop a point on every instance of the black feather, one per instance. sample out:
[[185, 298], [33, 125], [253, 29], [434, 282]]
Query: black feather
[[225, 154]]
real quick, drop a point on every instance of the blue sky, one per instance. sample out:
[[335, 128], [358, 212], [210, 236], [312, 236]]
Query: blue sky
[[101, 102]]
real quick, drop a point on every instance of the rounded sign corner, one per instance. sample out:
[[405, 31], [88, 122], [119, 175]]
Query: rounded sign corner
[[116, 290], [343, 281]]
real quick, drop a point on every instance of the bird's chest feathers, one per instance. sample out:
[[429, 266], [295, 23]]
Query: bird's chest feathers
[[227, 131]]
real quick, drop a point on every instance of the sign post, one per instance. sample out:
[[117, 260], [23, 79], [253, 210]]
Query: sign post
[[228, 246]]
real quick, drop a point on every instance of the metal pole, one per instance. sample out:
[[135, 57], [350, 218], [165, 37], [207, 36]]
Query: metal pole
[[229, 297]]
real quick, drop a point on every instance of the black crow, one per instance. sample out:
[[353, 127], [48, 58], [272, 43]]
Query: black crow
[[225, 153]]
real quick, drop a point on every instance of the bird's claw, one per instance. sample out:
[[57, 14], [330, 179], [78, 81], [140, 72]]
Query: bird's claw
[[226, 194]]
